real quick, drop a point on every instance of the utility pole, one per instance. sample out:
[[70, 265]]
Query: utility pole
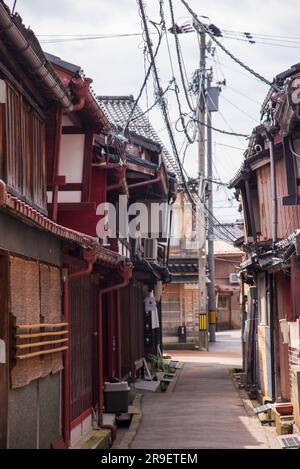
[[203, 312], [210, 224]]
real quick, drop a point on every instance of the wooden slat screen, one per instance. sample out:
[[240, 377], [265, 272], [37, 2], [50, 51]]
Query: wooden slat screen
[[35, 307], [24, 165]]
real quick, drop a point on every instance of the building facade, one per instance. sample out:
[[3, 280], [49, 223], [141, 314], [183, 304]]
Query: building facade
[[267, 186], [181, 297], [72, 301]]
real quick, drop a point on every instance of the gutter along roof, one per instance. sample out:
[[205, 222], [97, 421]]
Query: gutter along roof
[[24, 42], [76, 82], [27, 46]]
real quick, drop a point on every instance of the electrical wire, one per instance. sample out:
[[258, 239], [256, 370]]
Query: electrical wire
[[177, 47], [144, 84], [227, 52], [224, 132], [262, 42], [162, 102], [182, 116], [238, 108], [229, 146], [150, 107]]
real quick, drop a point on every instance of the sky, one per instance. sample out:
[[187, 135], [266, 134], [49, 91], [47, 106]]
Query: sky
[[116, 65]]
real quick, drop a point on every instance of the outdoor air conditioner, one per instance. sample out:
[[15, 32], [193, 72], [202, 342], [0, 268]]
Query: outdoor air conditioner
[[234, 279], [150, 249]]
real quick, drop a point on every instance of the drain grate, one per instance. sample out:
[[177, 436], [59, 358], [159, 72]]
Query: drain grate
[[290, 441], [262, 408]]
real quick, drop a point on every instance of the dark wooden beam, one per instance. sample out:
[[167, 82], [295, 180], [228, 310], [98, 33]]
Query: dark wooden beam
[[71, 186], [4, 335], [292, 198], [72, 130], [87, 167], [74, 206]]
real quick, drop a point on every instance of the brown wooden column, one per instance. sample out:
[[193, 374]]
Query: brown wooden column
[[4, 335]]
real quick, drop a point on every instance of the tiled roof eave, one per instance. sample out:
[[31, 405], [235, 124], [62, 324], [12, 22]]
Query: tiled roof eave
[[32, 217]]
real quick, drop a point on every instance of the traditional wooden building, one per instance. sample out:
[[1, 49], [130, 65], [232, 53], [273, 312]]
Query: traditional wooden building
[[149, 182], [267, 186], [72, 309], [53, 278], [180, 304]]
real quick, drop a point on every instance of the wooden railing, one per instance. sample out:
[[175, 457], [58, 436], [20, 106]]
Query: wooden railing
[[30, 337]]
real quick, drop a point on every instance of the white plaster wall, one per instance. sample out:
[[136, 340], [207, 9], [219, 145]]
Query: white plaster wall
[[65, 197], [71, 157], [69, 197], [49, 197], [67, 121]]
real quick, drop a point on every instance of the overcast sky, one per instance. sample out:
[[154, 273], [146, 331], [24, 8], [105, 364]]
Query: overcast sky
[[117, 66]]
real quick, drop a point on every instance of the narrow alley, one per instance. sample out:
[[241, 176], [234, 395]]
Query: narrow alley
[[205, 410], [149, 229]]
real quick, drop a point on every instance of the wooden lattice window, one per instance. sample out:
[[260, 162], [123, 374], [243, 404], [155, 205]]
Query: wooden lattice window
[[24, 161]]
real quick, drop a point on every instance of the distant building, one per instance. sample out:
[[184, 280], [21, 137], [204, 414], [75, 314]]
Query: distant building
[[180, 301]]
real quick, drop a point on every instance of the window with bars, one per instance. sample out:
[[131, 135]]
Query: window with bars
[[171, 313], [223, 302]]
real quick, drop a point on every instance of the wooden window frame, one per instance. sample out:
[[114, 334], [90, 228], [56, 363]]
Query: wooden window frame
[[24, 159], [292, 181]]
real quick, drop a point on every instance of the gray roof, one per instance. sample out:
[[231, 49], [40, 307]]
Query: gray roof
[[119, 109], [234, 228], [76, 69]]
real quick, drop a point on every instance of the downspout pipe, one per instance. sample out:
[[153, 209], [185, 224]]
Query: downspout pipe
[[274, 192], [251, 213], [121, 180], [272, 287], [81, 90], [67, 359], [119, 336], [272, 277], [158, 178], [102, 292], [169, 239], [58, 140]]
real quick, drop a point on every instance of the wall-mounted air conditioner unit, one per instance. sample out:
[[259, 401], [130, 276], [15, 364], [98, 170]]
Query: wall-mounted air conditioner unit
[[150, 249], [234, 279]]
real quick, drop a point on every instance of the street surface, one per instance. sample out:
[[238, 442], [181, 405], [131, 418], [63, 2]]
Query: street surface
[[205, 410]]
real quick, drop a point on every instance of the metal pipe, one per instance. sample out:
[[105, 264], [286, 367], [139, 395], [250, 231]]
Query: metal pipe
[[210, 236], [146, 183], [119, 336], [67, 358], [274, 192], [272, 288], [101, 293], [81, 90], [169, 239], [58, 139], [121, 180], [250, 210]]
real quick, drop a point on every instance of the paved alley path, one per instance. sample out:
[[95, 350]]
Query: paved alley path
[[205, 410]]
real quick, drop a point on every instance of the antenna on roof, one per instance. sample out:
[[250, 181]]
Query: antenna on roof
[[13, 8]]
